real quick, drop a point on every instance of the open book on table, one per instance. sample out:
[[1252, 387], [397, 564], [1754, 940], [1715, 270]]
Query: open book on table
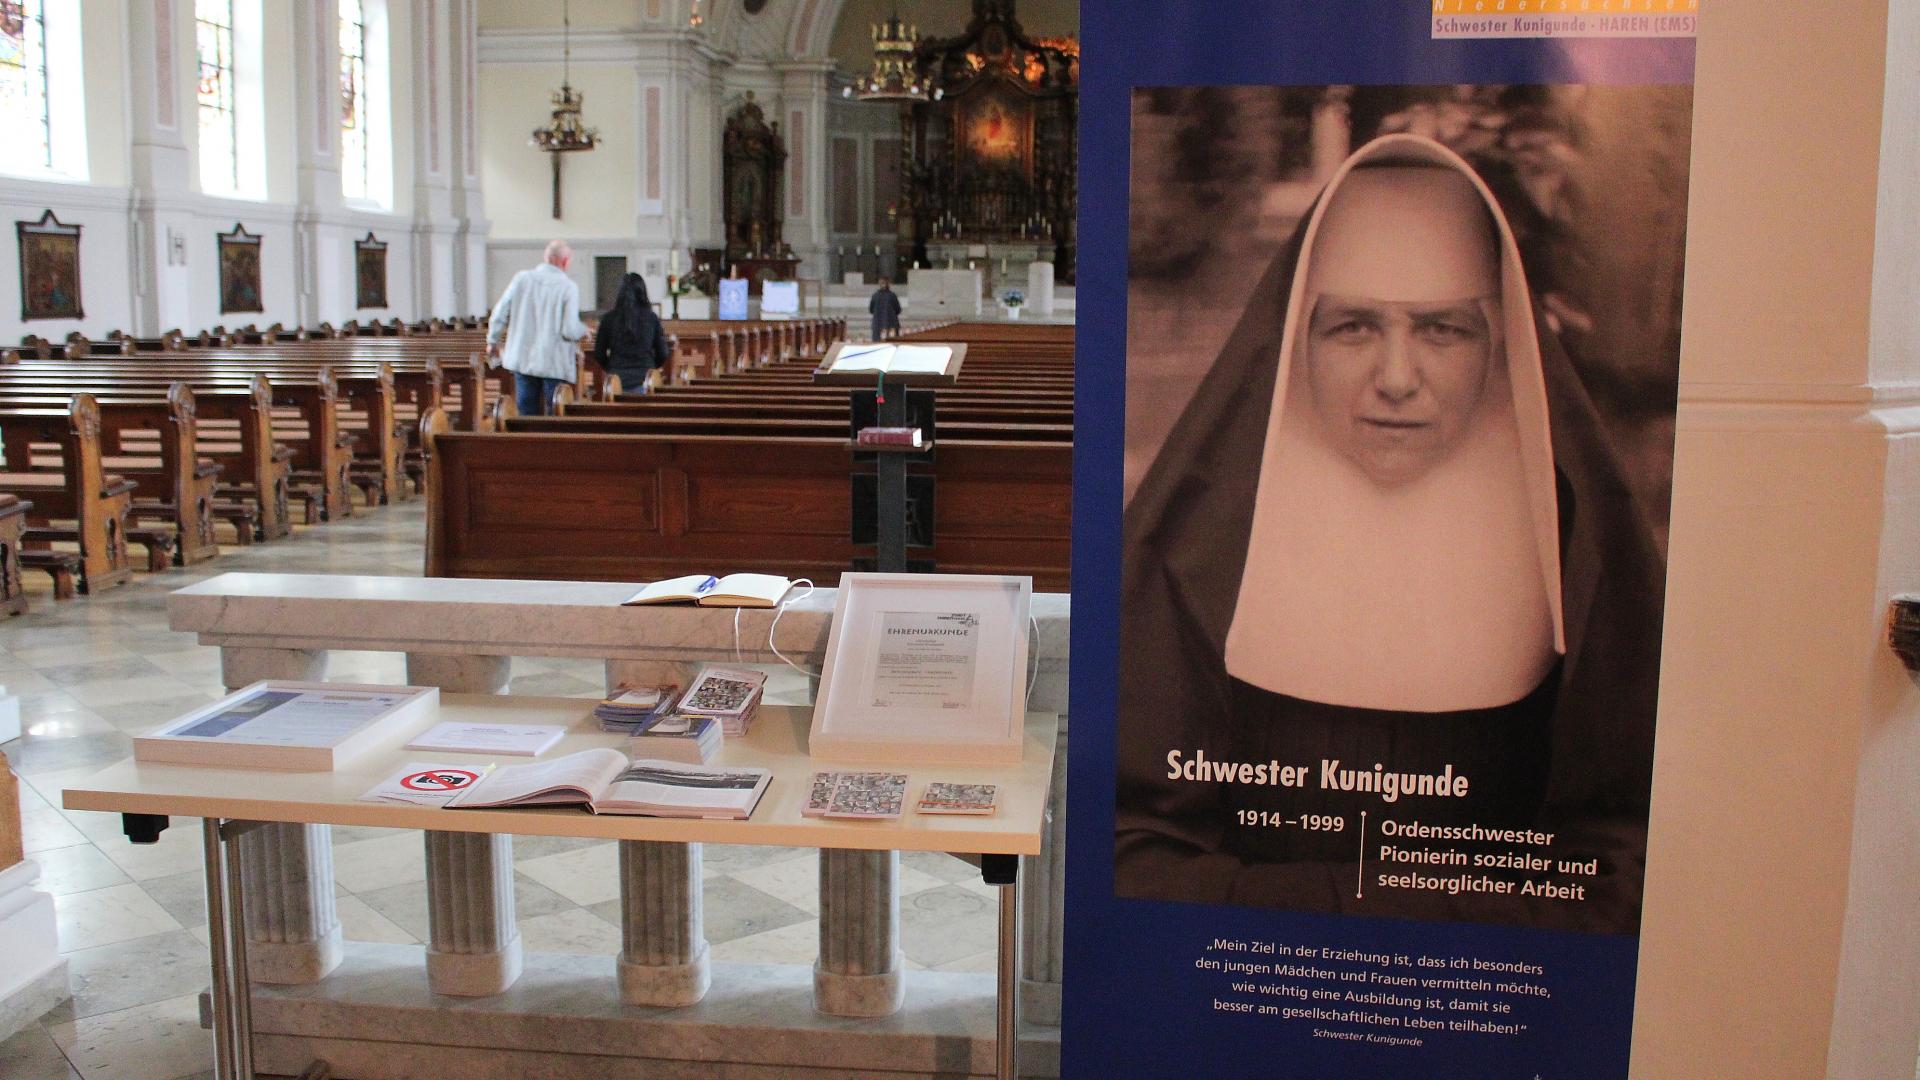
[[734, 590], [606, 781], [894, 359]]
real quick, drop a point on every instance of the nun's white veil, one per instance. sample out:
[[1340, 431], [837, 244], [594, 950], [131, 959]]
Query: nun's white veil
[[1441, 593]]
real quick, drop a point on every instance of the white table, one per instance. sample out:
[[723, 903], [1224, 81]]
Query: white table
[[232, 801]]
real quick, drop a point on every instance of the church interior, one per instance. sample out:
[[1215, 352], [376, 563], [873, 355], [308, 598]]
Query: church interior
[[258, 245], [539, 539]]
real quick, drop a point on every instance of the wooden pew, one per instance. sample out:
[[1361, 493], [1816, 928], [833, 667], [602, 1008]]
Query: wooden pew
[[640, 507], [320, 460], [82, 492], [172, 481], [13, 527]]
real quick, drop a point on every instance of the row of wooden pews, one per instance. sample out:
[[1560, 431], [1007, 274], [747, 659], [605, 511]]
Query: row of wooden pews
[[162, 442], [752, 469], [706, 348]]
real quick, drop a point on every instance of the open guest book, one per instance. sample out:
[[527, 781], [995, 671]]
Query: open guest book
[[893, 359], [606, 781], [734, 590]]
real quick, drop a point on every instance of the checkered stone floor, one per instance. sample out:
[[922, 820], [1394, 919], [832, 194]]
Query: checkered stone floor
[[132, 919]]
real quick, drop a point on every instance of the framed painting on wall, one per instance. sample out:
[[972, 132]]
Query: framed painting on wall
[[370, 272], [49, 269], [239, 270]]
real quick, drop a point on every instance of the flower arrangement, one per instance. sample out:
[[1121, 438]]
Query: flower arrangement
[[1013, 298]]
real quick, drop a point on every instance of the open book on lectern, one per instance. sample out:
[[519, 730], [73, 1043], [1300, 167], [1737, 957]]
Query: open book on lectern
[[894, 359]]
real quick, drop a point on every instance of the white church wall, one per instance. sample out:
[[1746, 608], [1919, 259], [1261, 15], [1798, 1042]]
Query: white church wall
[[598, 186], [149, 256]]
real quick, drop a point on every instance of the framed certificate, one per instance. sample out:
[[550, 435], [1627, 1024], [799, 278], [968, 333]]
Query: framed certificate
[[925, 668]]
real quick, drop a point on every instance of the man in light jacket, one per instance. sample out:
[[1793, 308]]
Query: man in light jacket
[[542, 308]]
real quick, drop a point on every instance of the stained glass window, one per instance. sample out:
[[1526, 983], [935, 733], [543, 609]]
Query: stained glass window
[[219, 128], [26, 124], [354, 157]]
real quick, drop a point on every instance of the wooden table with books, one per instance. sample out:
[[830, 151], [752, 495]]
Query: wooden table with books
[[230, 800]]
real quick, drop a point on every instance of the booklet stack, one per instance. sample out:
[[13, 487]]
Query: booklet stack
[[729, 695], [605, 781], [632, 707], [874, 795], [678, 737]]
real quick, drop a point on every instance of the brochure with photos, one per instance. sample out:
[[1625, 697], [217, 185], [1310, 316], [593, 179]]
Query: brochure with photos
[[606, 781], [729, 695], [941, 798], [856, 795]]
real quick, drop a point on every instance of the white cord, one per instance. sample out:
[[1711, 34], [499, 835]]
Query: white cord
[[736, 635], [782, 610], [1033, 676]]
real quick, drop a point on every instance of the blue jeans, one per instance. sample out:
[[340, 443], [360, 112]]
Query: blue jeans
[[533, 394]]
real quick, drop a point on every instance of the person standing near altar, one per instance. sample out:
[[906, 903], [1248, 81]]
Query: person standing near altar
[[885, 309]]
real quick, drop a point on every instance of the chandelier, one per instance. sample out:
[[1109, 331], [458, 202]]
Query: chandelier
[[893, 77], [565, 132]]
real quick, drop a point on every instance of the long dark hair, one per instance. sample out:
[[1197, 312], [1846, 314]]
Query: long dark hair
[[631, 307]]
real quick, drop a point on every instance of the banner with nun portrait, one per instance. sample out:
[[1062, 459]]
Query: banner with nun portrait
[[1370, 532]]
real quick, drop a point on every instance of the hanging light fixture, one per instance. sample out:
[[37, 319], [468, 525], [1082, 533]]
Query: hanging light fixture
[[893, 78], [565, 133]]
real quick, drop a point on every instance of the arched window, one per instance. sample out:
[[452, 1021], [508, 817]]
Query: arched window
[[354, 114], [229, 96], [366, 152], [219, 113], [42, 119]]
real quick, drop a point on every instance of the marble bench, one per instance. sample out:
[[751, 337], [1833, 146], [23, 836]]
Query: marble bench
[[461, 635]]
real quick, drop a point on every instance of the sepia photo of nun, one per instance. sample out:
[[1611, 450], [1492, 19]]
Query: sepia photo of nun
[[1388, 530]]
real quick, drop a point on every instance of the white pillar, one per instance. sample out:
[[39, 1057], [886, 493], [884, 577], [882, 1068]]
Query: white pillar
[[322, 271], [663, 953], [861, 970], [293, 932], [663, 946], [1040, 287], [161, 55], [1779, 922], [34, 978], [474, 943]]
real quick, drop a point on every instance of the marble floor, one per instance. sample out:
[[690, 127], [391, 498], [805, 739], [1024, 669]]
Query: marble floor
[[132, 920]]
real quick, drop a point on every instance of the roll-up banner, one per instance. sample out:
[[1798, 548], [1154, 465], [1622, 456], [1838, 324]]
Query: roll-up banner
[[1370, 531]]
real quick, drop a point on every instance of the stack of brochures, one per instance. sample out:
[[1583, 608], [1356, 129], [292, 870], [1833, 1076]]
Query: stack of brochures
[[729, 695], [631, 707], [606, 781], [678, 737]]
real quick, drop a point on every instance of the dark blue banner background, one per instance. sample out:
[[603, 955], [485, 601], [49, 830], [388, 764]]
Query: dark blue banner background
[[1136, 1006]]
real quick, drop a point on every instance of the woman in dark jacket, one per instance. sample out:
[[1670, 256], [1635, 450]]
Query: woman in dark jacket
[[631, 340]]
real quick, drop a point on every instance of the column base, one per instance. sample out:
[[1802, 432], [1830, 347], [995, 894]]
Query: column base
[[293, 963], [474, 974], [861, 995], [668, 986]]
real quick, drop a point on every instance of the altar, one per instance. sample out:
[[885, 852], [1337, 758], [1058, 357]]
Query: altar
[[1003, 262], [934, 293]]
